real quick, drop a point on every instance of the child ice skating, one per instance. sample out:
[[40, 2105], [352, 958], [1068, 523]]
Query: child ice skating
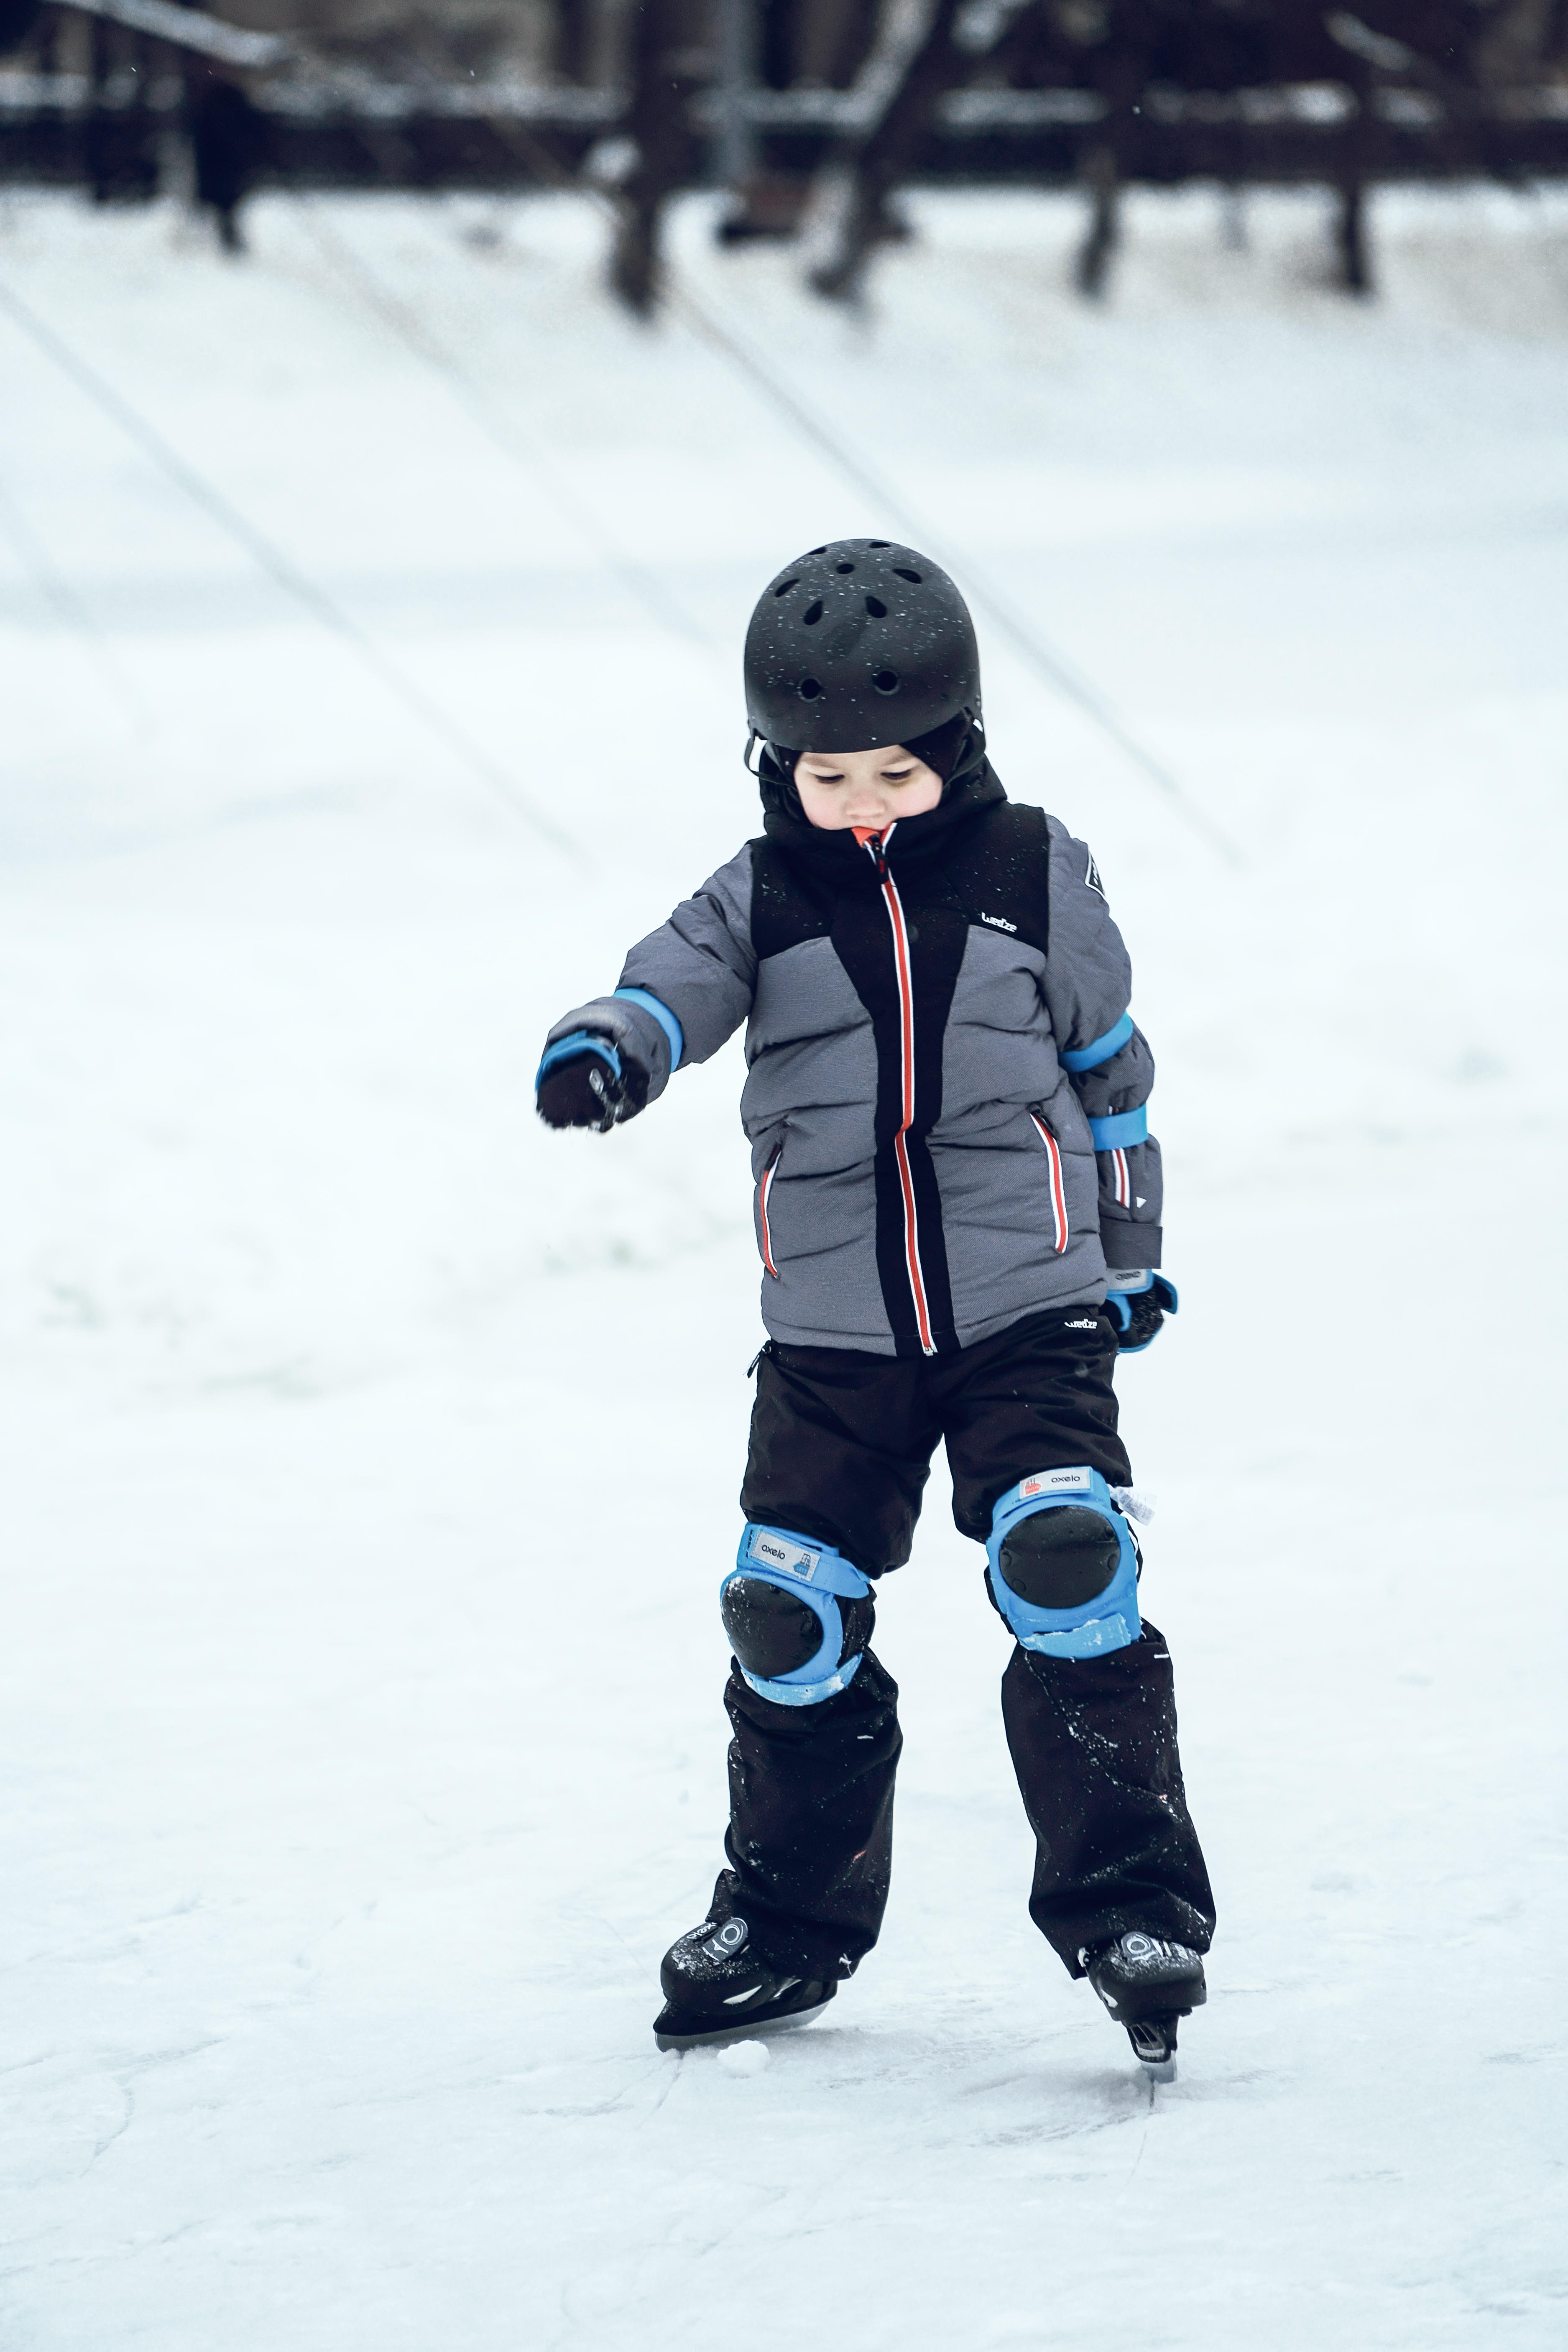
[[957, 1206]]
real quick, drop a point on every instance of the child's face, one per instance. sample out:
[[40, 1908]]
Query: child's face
[[868, 788]]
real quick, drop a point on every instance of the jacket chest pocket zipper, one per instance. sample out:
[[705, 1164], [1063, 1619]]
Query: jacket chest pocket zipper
[[1058, 1183], [764, 1186]]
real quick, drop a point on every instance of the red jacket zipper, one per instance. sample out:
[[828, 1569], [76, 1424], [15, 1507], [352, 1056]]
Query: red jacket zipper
[[876, 847]]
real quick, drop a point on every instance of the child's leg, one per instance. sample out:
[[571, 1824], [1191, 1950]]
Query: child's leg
[[1093, 1739], [1093, 1742], [840, 1451], [810, 1840]]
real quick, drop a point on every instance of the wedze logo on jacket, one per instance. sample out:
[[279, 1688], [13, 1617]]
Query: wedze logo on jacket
[[946, 1089]]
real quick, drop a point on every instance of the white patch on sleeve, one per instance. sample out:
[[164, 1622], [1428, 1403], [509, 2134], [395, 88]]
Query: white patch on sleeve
[[1091, 878]]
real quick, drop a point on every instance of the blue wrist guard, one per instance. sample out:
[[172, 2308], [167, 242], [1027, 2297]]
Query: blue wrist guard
[[1124, 1284]]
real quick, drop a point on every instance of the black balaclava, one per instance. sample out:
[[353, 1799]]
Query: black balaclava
[[941, 748], [956, 749]]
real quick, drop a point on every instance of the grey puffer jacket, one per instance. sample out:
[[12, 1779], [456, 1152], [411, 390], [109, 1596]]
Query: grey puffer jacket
[[945, 1091]]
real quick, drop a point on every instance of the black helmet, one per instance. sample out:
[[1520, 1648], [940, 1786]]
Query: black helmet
[[859, 644]]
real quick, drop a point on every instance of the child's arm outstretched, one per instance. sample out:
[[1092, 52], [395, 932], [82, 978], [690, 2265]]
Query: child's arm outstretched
[[1088, 984], [682, 992]]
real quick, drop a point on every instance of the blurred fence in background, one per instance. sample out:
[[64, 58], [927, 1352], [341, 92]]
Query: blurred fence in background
[[811, 113]]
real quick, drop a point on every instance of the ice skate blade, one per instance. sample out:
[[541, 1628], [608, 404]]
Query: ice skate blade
[[1159, 2070], [753, 2032]]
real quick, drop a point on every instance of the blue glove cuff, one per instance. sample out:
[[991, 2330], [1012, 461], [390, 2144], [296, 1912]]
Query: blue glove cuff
[[664, 1016], [567, 1049]]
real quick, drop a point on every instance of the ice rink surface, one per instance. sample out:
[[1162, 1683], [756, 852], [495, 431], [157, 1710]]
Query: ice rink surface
[[370, 1455]]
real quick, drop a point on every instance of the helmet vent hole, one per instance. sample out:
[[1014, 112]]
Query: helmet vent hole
[[817, 551], [843, 567], [874, 606], [878, 542], [808, 689], [784, 586], [886, 681], [812, 613], [905, 574]]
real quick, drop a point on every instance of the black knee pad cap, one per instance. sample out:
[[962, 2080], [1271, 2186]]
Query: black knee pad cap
[[1062, 1558], [770, 1631], [773, 1634]]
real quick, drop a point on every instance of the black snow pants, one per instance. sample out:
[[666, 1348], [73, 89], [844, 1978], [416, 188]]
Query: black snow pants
[[840, 1449]]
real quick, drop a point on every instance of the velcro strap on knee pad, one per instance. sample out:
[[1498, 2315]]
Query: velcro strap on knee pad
[[819, 1576], [1109, 1621]]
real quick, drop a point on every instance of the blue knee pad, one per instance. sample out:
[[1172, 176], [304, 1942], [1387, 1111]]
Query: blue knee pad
[[815, 1576], [1110, 1620]]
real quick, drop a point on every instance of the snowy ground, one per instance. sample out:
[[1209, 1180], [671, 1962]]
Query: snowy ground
[[370, 1455]]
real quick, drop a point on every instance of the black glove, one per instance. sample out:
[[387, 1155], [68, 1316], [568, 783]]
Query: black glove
[[586, 1081], [1138, 1303]]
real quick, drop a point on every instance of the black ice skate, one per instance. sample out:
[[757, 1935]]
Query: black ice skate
[[1147, 1985], [716, 1988]]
